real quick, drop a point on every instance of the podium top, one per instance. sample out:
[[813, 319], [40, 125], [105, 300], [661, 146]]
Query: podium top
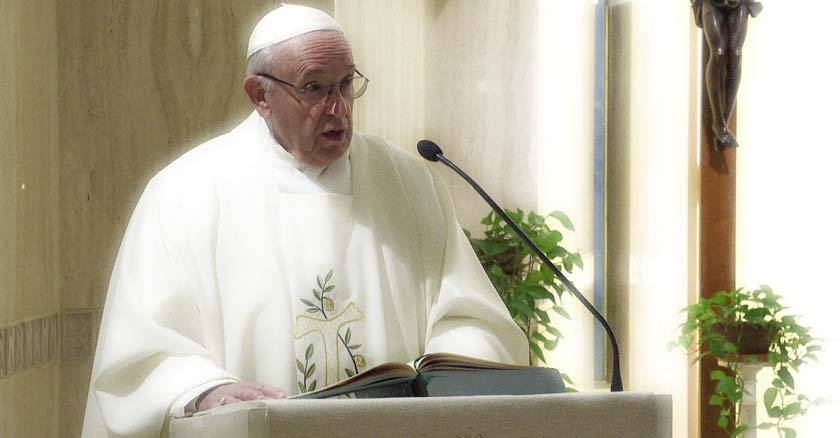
[[550, 415]]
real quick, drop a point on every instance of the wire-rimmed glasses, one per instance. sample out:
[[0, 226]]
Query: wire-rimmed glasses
[[314, 93]]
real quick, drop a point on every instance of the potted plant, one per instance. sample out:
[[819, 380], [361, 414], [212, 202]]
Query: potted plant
[[523, 283], [741, 326]]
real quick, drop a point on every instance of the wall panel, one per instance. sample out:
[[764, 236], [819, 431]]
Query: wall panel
[[479, 79], [29, 404], [28, 219], [387, 41], [142, 82]]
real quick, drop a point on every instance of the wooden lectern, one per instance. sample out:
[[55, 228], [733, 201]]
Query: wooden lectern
[[579, 415]]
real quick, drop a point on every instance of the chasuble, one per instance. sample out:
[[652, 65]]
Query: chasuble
[[238, 263]]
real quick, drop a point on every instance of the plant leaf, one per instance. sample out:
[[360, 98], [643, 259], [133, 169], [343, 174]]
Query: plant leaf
[[299, 366], [792, 409], [312, 385], [310, 371], [521, 307], [309, 350], [566, 378], [564, 220], [784, 374], [537, 352], [770, 398], [576, 260], [562, 312]]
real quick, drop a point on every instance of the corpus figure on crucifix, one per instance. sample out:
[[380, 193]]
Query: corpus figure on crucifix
[[724, 24]]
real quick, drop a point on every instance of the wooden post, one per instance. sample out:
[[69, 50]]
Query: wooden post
[[717, 240]]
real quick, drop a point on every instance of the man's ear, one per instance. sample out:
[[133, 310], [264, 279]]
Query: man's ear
[[255, 89]]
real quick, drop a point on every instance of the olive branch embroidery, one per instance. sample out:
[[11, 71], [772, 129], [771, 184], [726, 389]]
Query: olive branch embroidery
[[323, 306], [307, 371]]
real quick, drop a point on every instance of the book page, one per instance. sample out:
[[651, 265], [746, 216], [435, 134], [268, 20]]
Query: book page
[[448, 361], [390, 371]]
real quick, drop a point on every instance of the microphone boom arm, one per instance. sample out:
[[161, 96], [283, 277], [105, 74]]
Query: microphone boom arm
[[616, 385]]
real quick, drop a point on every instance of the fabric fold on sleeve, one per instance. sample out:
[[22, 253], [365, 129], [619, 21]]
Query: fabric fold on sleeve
[[467, 315], [153, 292]]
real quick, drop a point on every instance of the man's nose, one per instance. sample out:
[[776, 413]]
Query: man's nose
[[336, 104]]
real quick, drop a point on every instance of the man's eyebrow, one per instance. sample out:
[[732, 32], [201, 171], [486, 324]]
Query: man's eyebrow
[[317, 71]]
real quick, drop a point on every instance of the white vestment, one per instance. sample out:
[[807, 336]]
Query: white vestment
[[236, 264]]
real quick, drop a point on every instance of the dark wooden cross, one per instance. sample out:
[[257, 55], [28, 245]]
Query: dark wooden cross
[[717, 244]]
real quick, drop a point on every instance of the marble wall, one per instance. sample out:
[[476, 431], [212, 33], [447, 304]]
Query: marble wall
[[461, 74], [480, 60], [387, 41], [29, 222]]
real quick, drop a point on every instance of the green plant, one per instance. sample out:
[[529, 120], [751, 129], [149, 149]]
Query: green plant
[[717, 326], [523, 283]]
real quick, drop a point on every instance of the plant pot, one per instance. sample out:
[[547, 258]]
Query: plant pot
[[748, 337]]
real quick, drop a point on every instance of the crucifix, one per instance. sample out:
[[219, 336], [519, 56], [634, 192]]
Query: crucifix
[[329, 330], [724, 24]]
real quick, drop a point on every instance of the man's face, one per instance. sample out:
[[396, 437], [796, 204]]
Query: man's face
[[315, 134]]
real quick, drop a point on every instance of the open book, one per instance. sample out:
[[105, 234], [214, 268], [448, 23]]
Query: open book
[[443, 375]]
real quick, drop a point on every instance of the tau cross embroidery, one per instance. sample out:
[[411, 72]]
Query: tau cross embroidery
[[330, 330], [328, 325]]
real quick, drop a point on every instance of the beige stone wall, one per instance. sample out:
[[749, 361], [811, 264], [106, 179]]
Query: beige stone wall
[[459, 73], [480, 60], [29, 371], [387, 41]]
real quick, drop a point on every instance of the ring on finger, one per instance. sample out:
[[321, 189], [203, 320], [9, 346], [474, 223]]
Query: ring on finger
[[222, 400]]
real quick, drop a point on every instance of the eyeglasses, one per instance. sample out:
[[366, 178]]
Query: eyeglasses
[[314, 93]]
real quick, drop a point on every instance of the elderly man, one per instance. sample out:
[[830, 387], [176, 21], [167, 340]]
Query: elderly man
[[287, 254]]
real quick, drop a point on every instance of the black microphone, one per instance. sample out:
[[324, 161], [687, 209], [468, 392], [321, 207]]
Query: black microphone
[[432, 152], [429, 150]]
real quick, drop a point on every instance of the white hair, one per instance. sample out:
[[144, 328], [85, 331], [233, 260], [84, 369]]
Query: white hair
[[262, 60]]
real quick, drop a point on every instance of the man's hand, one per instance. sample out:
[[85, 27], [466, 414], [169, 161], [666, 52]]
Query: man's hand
[[230, 393]]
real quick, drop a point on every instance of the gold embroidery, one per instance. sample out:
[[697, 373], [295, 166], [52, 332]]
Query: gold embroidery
[[329, 328]]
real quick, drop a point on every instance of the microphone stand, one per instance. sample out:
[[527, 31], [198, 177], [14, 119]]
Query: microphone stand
[[616, 385]]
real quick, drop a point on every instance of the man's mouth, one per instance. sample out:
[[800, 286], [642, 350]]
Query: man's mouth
[[334, 135]]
